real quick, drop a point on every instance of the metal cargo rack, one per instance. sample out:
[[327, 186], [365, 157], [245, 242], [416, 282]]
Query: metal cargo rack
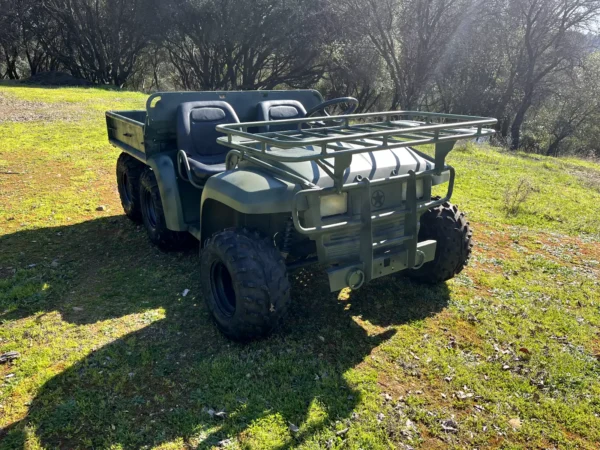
[[366, 133], [330, 142]]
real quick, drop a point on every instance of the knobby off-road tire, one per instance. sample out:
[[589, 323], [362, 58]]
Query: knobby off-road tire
[[154, 217], [245, 283], [450, 229], [129, 171]]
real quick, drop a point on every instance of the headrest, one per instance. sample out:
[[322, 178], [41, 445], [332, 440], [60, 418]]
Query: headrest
[[207, 114], [283, 112]]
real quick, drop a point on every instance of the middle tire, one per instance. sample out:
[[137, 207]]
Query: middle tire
[[153, 215], [245, 283]]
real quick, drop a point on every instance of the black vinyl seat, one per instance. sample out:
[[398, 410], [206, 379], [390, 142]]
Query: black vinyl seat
[[279, 110], [197, 136]]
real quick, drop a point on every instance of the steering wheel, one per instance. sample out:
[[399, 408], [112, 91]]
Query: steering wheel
[[322, 107]]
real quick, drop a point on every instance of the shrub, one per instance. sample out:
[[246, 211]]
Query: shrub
[[515, 196]]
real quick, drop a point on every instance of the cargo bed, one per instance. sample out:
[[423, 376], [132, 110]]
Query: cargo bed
[[126, 131]]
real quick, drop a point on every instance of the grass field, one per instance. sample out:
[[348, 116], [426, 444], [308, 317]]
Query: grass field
[[114, 356]]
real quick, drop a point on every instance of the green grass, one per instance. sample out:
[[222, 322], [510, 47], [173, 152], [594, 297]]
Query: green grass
[[113, 356]]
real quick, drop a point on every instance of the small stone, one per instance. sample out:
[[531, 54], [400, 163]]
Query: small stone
[[9, 356], [505, 367], [449, 426], [355, 416], [224, 443], [54, 263], [380, 417], [387, 397], [515, 423], [322, 338], [185, 292], [294, 428], [463, 396], [101, 208]]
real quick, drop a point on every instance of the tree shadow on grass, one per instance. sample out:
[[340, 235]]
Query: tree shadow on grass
[[167, 381]]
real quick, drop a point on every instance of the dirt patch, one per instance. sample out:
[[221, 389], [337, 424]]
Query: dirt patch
[[13, 110]]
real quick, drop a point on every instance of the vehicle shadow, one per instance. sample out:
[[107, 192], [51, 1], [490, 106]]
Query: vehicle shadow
[[177, 379]]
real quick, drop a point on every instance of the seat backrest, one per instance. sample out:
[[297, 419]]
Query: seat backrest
[[279, 110], [196, 122]]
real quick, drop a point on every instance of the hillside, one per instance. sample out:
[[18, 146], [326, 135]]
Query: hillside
[[112, 355]]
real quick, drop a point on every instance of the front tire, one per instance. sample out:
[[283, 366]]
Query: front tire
[[449, 228], [245, 284], [153, 215]]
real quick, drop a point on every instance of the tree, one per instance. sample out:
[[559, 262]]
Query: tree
[[576, 106], [241, 44], [411, 36], [99, 40], [548, 43], [10, 40]]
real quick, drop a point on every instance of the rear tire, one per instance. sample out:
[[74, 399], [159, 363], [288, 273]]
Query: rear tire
[[450, 229], [245, 284], [129, 171], [153, 215]]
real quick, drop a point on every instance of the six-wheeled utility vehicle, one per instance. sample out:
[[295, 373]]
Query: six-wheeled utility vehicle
[[269, 182]]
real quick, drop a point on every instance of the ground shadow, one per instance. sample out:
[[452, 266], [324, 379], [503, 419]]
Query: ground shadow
[[170, 379]]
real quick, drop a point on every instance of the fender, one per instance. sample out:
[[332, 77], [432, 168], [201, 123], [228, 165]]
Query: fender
[[164, 169], [250, 191]]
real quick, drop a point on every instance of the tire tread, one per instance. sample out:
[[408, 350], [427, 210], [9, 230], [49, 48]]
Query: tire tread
[[261, 284]]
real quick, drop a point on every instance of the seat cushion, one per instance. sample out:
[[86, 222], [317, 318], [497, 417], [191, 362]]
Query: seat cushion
[[202, 171], [279, 110]]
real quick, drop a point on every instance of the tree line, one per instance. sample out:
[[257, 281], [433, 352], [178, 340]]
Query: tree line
[[533, 64]]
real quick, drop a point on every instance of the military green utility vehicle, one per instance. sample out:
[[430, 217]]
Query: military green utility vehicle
[[270, 182]]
